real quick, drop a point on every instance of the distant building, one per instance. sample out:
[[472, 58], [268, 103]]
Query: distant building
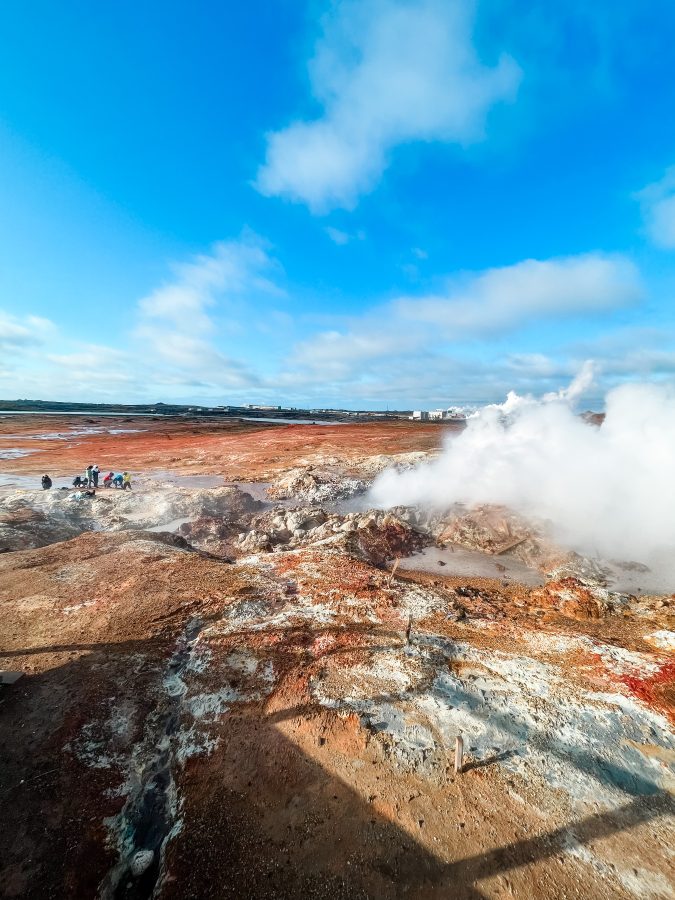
[[453, 413], [458, 413]]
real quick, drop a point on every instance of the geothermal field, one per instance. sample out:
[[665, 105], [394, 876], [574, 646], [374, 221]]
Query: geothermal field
[[379, 660]]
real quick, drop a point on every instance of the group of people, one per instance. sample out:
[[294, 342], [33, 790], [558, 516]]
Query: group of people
[[89, 481], [122, 480], [111, 480]]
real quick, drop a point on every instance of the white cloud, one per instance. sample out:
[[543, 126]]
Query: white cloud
[[430, 349], [336, 354], [501, 299], [344, 237], [482, 305], [337, 236], [80, 371], [231, 269], [658, 210], [91, 357], [180, 320], [386, 72], [179, 347], [532, 364], [17, 333], [426, 379], [647, 362]]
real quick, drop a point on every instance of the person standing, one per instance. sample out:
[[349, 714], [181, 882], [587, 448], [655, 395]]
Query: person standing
[[94, 473], [89, 475], [126, 481]]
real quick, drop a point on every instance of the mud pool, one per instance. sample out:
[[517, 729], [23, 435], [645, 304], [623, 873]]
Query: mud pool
[[459, 561]]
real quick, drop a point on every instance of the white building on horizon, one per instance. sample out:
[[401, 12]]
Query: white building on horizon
[[436, 415]]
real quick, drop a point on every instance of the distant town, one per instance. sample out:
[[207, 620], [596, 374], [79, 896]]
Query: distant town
[[270, 412]]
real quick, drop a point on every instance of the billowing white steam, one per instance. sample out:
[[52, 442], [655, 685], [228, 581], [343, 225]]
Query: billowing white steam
[[607, 489]]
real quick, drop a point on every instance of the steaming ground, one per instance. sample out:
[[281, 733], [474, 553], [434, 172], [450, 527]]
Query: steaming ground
[[607, 490], [227, 691]]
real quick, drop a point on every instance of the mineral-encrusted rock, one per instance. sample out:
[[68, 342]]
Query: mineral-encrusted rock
[[577, 599], [380, 537], [314, 486]]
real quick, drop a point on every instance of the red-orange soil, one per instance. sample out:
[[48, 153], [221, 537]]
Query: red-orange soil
[[238, 450]]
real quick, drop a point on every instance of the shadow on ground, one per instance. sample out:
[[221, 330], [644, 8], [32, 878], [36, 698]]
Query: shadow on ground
[[261, 819]]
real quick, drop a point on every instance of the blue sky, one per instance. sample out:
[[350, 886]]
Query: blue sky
[[396, 203]]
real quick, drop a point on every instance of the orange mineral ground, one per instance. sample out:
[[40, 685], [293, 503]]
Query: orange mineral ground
[[218, 690], [237, 449]]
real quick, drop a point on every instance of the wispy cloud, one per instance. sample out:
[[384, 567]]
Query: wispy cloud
[[430, 348], [17, 333], [232, 269], [482, 305], [386, 72], [337, 236], [62, 367], [336, 354], [344, 237], [91, 356], [503, 298], [182, 340], [414, 349], [658, 209], [181, 320]]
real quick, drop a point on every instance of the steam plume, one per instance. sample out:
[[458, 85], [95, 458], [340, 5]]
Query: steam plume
[[607, 489]]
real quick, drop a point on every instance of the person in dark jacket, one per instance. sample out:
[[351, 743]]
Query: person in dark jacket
[[46, 482]]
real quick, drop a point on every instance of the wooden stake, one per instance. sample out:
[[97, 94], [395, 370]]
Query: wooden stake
[[510, 546], [393, 571], [459, 754]]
